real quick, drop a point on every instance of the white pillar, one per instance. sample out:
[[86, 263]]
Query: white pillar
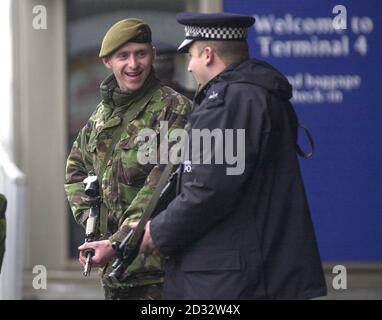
[[6, 103], [204, 6], [210, 6], [40, 103]]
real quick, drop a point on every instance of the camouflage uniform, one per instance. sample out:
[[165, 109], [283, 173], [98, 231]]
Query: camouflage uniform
[[3, 206], [127, 185]]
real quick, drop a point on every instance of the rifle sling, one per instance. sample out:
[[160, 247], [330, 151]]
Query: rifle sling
[[300, 152], [135, 239]]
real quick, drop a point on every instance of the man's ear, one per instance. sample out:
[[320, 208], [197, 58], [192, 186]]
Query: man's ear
[[209, 55], [154, 53], [106, 62]]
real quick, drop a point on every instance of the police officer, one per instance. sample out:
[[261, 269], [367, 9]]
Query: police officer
[[3, 207], [132, 99], [247, 235]]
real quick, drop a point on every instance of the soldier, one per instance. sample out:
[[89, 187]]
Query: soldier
[[132, 97], [3, 225], [246, 235]]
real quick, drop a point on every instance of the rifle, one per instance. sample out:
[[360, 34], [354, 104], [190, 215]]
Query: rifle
[[92, 191], [128, 249]]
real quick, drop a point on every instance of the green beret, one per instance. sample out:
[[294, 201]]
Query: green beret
[[134, 30]]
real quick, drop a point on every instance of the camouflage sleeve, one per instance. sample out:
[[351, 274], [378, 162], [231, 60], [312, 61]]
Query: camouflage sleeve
[[77, 166], [176, 110]]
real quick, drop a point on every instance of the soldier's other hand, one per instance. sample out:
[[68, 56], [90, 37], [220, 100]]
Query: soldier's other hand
[[133, 225], [147, 245], [103, 253]]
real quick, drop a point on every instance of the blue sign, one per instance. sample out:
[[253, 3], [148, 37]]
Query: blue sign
[[331, 54]]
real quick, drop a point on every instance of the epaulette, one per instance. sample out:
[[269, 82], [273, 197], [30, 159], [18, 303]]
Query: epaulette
[[215, 93]]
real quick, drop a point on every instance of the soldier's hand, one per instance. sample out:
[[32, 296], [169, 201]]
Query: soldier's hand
[[103, 253]]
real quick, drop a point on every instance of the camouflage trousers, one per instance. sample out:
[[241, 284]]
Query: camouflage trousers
[[147, 292]]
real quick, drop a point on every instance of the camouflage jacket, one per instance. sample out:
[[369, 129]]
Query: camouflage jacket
[[127, 185]]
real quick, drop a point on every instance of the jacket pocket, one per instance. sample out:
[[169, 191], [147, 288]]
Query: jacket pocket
[[132, 172], [217, 261], [129, 143], [212, 276]]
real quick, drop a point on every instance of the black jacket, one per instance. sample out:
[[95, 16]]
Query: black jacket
[[247, 236]]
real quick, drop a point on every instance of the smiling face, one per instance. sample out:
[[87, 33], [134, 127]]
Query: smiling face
[[197, 63], [131, 64]]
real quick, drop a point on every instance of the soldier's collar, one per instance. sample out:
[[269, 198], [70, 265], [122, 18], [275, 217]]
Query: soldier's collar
[[113, 96]]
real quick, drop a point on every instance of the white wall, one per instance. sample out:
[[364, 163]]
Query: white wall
[[6, 111], [40, 117]]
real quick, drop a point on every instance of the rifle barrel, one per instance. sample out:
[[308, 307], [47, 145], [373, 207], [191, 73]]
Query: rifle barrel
[[87, 266]]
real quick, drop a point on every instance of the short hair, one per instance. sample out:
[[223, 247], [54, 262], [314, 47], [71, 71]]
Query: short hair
[[229, 51], [110, 55]]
